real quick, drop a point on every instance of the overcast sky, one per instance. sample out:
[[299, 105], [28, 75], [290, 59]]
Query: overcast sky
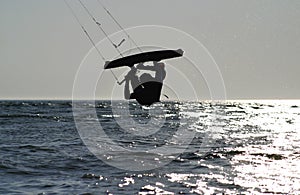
[[256, 44]]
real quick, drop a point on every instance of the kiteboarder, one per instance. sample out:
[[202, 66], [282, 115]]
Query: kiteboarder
[[146, 88]]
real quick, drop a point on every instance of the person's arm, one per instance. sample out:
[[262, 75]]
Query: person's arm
[[126, 89], [160, 73], [130, 77]]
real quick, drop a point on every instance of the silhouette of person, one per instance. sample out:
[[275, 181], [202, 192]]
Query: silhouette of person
[[146, 88]]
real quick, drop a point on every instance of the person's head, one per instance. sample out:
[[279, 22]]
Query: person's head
[[161, 64], [146, 77]]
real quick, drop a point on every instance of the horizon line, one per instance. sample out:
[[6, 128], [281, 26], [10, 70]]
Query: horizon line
[[86, 99]]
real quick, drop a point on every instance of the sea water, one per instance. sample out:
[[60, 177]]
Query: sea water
[[256, 149]]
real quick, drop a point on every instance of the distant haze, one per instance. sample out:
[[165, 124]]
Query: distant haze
[[256, 44]]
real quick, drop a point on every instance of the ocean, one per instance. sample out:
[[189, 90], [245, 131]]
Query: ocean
[[232, 147]]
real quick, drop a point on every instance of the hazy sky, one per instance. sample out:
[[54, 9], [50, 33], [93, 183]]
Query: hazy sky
[[256, 44]]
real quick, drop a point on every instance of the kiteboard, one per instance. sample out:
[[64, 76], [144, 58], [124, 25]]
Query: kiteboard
[[143, 57]]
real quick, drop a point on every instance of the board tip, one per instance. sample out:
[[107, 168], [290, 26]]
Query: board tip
[[180, 51], [106, 64]]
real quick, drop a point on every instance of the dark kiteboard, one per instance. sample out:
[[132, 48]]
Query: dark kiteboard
[[143, 57]]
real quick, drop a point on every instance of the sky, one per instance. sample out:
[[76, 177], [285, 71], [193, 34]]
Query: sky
[[254, 44]]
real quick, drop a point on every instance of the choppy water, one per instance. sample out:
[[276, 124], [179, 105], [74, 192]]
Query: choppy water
[[257, 150]]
